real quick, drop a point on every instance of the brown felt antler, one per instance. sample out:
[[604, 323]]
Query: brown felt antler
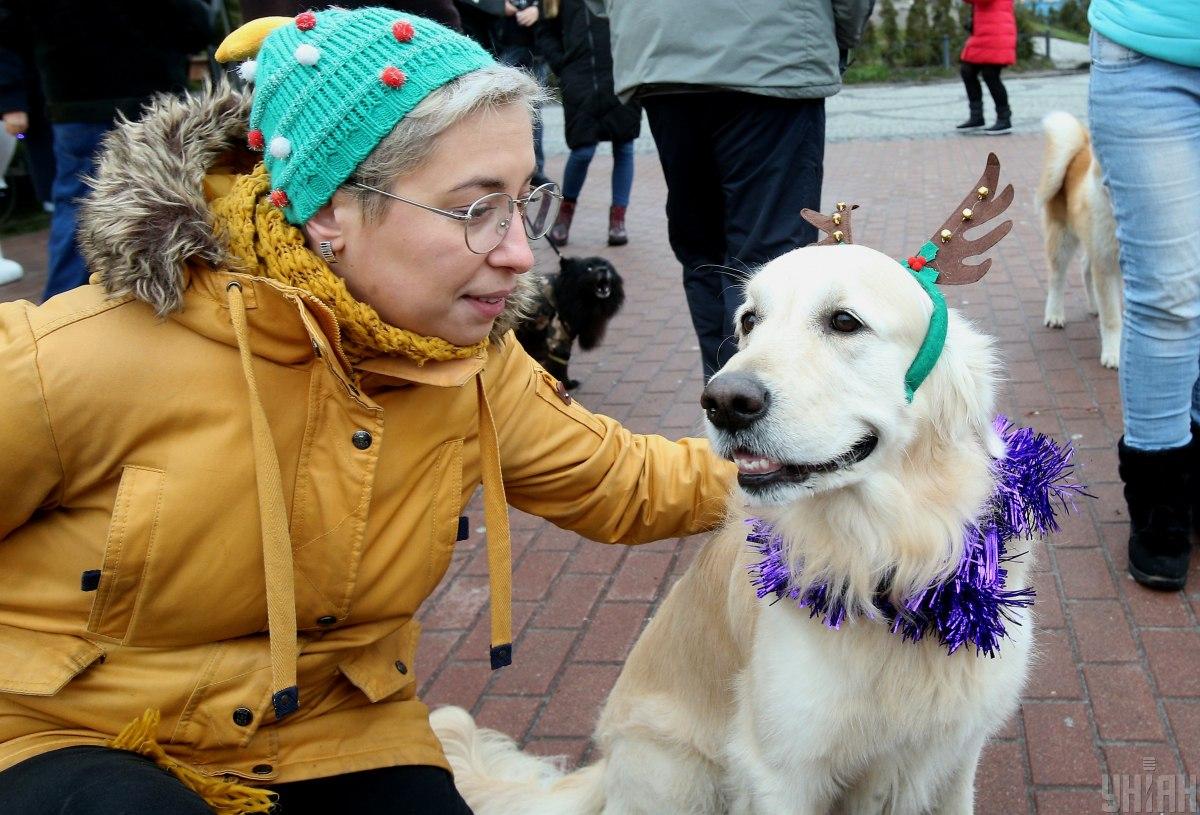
[[837, 224], [980, 206]]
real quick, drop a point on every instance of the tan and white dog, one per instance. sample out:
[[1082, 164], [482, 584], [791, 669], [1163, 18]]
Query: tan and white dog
[[731, 704], [1076, 213]]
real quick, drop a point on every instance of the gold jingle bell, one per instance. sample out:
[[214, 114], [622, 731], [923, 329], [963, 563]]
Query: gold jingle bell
[[838, 235], [946, 235], [967, 214], [841, 206], [983, 192], [837, 218]]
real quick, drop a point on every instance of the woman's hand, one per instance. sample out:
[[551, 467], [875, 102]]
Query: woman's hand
[[527, 16], [509, 9], [16, 122]]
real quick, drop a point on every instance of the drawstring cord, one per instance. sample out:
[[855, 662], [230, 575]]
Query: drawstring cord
[[276, 540], [499, 543]]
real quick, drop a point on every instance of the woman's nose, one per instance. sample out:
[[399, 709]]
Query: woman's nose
[[513, 251]]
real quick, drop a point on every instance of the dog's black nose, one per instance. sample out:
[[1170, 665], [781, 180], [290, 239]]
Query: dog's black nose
[[733, 401]]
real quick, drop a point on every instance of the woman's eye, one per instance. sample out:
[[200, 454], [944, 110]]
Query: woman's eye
[[844, 322], [749, 320]]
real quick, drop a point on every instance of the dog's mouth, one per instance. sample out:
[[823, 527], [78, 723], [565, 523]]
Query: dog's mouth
[[603, 290], [758, 472]]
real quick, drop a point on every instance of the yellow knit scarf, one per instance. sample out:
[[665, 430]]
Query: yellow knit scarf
[[266, 244]]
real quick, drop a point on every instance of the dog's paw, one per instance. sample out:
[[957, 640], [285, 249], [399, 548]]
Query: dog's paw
[[1054, 318], [1110, 358]]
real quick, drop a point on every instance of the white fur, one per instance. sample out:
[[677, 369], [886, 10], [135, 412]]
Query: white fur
[[728, 704], [1076, 212]]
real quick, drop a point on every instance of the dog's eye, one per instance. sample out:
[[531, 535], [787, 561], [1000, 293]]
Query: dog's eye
[[845, 322], [749, 320]]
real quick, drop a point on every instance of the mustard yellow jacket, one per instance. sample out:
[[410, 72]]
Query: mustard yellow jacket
[[131, 564]]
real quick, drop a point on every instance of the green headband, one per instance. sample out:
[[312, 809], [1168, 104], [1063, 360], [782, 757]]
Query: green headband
[[935, 337]]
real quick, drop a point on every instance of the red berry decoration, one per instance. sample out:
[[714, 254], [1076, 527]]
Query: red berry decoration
[[279, 198], [916, 263], [306, 20], [403, 30], [392, 76], [255, 139]]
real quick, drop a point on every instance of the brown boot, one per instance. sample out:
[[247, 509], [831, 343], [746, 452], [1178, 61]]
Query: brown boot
[[616, 226], [561, 231]]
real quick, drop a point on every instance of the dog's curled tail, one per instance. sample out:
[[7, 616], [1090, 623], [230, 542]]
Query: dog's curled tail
[[496, 778], [1065, 137]]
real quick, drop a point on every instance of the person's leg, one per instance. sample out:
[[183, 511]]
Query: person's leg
[[695, 213], [1145, 119], [95, 781], [409, 790], [991, 76], [770, 155], [75, 147], [969, 72], [574, 174], [622, 184]]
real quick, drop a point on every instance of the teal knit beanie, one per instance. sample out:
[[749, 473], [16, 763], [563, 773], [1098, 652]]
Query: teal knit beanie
[[329, 85]]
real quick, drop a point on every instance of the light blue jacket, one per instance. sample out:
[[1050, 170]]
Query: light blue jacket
[[1164, 29]]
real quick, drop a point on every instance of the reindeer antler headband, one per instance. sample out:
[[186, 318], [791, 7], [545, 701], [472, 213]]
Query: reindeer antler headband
[[942, 259]]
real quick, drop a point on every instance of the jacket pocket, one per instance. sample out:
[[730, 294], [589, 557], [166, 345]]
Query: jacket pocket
[[384, 668], [132, 533], [445, 510], [33, 663]]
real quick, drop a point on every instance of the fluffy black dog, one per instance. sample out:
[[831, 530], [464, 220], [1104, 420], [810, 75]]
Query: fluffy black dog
[[576, 303]]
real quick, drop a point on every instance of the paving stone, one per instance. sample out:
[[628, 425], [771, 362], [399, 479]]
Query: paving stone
[[1060, 742], [572, 710], [1123, 703], [1102, 631], [1054, 674], [1000, 782], [1185, 724], [1174, 660], [1070, 802], [612, 631], [1084, 574]]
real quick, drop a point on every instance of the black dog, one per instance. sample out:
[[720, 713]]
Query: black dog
[[577, 302]]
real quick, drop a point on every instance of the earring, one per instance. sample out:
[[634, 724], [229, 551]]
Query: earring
[[326, 250]]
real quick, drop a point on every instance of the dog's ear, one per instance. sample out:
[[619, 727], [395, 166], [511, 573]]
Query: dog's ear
[[962, 387], [564, 263]]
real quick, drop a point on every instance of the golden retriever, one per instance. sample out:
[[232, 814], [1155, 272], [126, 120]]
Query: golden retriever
[[1076, 213], [731, 704]]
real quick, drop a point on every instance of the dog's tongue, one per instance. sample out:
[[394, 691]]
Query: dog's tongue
[[749, 464]]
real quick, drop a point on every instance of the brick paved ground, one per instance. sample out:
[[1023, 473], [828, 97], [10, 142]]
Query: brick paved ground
[[1116, 689]]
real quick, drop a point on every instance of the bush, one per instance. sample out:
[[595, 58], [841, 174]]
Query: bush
[[1072, 15], [918, 38], [889, 32]]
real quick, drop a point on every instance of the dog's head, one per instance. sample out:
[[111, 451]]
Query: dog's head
[[815, 398], [593, 277], [588, 291]]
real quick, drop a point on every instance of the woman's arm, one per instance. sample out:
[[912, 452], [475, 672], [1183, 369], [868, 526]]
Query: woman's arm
[[587, 473]]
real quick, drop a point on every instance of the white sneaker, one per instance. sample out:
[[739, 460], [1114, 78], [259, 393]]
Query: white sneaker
[[10, 271]]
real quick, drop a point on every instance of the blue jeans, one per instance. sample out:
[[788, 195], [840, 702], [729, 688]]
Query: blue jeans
[[75, 147], [1145, 121], [576, 170]]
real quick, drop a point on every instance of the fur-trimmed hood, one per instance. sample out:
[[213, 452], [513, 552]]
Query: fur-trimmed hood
[[147, 216]]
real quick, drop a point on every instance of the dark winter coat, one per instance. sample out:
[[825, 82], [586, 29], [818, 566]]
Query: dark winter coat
[[576, 45], [993, 39]]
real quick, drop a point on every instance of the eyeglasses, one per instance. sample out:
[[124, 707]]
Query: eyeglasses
[[486, 221]]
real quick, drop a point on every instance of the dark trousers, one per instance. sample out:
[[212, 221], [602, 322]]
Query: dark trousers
[[75, 147], [971, 72], [739, 168], [102, 781]]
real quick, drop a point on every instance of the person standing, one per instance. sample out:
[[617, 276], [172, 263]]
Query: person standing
[[991, 45], [1144, 110], [736, 102], [576, 44], [73, 43]]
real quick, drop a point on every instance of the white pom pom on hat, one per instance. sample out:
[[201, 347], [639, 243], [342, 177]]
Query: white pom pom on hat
[[280, 147], [248, 70], [307, 54]]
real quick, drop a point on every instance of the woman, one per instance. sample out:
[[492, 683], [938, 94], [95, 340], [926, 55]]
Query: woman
[[991, 46], [1144, 110], [234, 464], [576, 44]]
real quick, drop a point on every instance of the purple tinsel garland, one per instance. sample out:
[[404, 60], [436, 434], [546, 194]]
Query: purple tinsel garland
[[972, 605]]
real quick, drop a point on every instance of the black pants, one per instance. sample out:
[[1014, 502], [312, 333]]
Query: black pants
[[971, 72], [101, 781], [739, 168]]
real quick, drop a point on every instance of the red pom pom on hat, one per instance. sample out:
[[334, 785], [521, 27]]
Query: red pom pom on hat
[[403, 30], [306, 20], [255, 139], [917, 263], [279, 198], [392, 76]]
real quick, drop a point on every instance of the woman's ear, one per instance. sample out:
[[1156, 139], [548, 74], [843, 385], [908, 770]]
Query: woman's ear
[[326, 225]]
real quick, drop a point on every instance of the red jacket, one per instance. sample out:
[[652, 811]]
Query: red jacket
[[993, 39]]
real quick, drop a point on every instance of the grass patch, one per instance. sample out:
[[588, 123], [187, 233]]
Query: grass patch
[[877, 72]]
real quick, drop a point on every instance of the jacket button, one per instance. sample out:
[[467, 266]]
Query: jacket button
[[401, 667], [262, 769], [242, 716], [361, 439], [328, 619]]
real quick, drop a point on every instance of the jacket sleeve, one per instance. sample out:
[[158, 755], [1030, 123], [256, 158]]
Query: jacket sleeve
[[547, 35], [30, 470], [850, 18], [589, 474]]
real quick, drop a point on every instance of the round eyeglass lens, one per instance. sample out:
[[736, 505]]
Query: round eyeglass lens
[[540, 211], [487, 221]]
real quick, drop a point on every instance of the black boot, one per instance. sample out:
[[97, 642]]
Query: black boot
[[1158, 493], [975, 119], [1003, 123]]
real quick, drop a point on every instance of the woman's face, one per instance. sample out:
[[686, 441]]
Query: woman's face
[[413, 266]]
